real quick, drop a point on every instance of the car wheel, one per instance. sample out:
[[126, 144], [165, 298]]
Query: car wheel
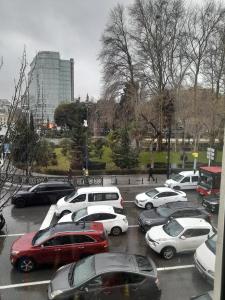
[[116, 231], [64, 212], [168, 252], [149, 206], [25, 264], [21, 203]]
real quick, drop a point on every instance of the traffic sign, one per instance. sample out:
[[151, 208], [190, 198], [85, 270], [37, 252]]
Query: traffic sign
[[210, 153], [195, 154]]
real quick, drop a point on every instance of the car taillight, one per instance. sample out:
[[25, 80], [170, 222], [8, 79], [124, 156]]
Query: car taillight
[[157, 283], [208, 192]]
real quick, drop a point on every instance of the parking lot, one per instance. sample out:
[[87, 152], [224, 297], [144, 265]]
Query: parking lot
[[178, 277]]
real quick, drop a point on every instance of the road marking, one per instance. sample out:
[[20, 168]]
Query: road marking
[[14, 234], [12, 286], [128, 201], [175, 268], [48, 219], [133, 226]]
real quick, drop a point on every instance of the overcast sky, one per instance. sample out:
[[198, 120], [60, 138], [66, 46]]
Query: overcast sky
[[72, 27]]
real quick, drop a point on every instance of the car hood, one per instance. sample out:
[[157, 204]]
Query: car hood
[[21, 193], [66, 218], [151, 215], [24, 242], [157, 233], [170, 181], [60, 279], [206, 257], [142, 196]]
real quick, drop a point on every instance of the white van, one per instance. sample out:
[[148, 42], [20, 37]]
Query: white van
[[205, 257], [185, 180], [87, 196]]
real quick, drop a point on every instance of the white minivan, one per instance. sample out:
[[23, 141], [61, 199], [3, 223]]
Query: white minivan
[[87, 196], [186, 180], [205, 257]]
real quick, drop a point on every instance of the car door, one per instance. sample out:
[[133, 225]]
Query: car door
[[95, 198], [84, 245], [185, 183], [190, 239], [194, 181], [38, 196], [49, 252], [160, 199], [108, 220], [78, 202]]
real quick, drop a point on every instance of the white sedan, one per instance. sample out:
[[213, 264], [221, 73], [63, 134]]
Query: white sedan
[[112, 218], [159, 196]]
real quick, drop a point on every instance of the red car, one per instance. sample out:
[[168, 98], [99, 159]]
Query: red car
[[59, 244]]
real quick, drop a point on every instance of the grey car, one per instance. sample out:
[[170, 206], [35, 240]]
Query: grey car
[[107, 276], [162, 214]]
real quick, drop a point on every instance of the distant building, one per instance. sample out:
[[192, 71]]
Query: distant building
[[51, 82], [4, 111]]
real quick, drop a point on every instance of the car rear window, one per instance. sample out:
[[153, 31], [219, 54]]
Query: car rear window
[[119, 210], [143, 263]]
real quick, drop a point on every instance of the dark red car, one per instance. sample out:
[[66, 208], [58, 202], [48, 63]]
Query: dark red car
[[59, 244]]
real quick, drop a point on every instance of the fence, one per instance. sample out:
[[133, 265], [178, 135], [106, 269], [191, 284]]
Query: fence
[[32, 180]]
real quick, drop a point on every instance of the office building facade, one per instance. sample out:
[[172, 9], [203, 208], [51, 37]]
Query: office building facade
[[51, 82]]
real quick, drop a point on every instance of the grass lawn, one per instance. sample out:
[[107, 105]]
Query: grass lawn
[[145, 158]]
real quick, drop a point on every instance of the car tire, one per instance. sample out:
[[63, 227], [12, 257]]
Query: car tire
[[64, 212], [21, 203], [168, 252], [25, 264], [116, 231], [149, 206]]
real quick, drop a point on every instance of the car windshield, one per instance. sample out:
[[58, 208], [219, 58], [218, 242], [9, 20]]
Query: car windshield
[[41, 236], [211, 243], [177, 177], [33, 188], [152, 193], [70, 196], [173, 228], [84, 270], [76, 216], [163, 211]]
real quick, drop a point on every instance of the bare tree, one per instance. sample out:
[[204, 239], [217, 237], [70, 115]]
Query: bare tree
[[117, 55], [201, 25]]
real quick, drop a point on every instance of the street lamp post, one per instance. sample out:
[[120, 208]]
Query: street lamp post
[[169, 112]]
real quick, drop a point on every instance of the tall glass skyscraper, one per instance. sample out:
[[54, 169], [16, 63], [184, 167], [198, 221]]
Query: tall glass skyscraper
[[51, 82]]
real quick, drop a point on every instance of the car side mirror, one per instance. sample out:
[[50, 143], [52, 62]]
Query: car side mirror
[[183, 237], [156, 197], [85, 289]]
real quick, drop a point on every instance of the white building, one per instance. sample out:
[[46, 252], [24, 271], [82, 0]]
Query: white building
[[51, 82]]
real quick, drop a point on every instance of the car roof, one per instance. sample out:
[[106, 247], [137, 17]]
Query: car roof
[[189, 173], [98, 189], [66, 227], [193, 223], [100, 208], [107, 262], [164, 189]]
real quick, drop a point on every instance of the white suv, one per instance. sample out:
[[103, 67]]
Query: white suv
[[159, 196], [112, 218], [178, 235]]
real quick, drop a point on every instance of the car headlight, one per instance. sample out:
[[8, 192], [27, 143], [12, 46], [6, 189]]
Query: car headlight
[[56, 293], [125, 220], [14, 252], [142, 200], [212, 273]]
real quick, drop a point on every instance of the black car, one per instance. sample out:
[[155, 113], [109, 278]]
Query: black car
[[42, 193], [162, 214], [211, 202], [107, 276]]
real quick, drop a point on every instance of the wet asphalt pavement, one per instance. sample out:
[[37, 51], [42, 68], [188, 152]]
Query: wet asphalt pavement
[[179, 284]]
